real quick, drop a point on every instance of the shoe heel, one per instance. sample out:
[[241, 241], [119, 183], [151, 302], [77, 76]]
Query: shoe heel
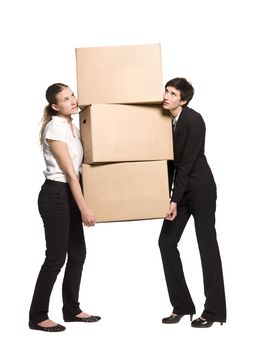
[[221, 323], [191, 317]]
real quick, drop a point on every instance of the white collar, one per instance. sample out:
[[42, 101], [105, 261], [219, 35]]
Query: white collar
[[61, 119], [175, 120]]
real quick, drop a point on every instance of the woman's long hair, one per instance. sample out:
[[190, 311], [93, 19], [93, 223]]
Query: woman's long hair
[[49, 112]]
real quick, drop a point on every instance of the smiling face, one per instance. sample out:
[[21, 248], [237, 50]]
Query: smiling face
[[66, 104], [172, 100]]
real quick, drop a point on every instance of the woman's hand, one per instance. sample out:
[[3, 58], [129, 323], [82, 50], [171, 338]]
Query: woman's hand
[[88, 217], [172, 212]]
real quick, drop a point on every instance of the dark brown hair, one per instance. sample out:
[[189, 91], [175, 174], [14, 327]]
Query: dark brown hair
[[185, 88]]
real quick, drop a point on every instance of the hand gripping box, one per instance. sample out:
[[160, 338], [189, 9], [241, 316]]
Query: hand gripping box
[[119, 74], [118, 133], [126, 191]]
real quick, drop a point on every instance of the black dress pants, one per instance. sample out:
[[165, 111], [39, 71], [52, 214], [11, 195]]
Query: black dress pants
[[64, 237], [200, 202]]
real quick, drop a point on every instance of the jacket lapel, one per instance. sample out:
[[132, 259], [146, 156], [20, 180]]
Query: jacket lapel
[[179, 124]]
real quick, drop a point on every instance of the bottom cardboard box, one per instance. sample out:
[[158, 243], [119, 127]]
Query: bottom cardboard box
[[126, 191]]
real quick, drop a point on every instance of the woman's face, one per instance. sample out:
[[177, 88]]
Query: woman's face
[[172, 99], [66, 103]]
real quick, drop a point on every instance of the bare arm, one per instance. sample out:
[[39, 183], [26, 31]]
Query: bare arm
[[61, 154]]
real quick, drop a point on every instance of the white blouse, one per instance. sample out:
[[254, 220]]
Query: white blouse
[[59, 129]]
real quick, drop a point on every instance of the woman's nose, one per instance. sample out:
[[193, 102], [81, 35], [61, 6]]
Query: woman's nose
[[74, 99]]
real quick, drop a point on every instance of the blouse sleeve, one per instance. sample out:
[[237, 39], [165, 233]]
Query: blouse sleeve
[[56, 133]]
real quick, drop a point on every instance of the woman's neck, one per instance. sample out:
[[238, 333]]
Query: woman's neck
[[175, 112]]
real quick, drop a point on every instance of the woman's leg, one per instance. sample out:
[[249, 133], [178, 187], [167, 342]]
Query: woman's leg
[[54, 211], [203, 209], [76, 256], [168, 241]]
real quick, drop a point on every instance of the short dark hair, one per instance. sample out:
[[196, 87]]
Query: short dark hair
[[185, 88]]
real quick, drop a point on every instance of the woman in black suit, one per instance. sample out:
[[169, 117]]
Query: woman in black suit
[[193, 193]]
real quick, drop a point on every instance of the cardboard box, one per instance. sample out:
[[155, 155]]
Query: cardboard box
[[126, 191], [119, 74], [117, 133]]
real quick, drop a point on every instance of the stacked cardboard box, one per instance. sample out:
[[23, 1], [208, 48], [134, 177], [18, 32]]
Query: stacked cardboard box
[[122, 133], [125, 135], [119, 74]]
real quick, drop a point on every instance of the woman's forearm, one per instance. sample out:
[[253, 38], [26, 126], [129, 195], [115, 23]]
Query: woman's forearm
[[77, 193]]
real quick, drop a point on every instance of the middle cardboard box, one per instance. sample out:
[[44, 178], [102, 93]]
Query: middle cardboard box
[[123, 133]]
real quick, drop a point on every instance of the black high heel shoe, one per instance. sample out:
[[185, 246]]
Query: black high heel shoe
[[57, 328], [200, 323], [174, 319], [82, 319]]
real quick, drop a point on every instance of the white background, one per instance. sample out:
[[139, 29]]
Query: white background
[[211, 43]]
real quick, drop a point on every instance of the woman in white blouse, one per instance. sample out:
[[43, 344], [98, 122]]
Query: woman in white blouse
[[63, 210]]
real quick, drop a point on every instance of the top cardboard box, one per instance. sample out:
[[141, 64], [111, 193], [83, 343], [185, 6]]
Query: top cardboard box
[[119, 74]]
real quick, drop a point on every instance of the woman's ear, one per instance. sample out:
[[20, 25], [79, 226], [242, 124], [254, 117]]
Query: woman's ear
[[55, 107], [183, 102]]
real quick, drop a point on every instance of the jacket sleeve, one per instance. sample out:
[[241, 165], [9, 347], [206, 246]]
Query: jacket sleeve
[[194, 146], [170, 168]]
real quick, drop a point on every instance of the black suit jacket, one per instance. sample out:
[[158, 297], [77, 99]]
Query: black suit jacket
[[189, 168]]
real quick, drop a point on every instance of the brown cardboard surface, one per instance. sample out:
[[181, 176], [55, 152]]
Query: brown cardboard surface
[[119, 74], [117, 133], [126, 191]]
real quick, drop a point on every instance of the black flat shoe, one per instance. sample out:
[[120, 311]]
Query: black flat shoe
[[199, 323], [57, 328], [174, 319], [82, 319]]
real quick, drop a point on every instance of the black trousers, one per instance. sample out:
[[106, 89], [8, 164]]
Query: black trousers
[[64, 237], [201, 204]]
